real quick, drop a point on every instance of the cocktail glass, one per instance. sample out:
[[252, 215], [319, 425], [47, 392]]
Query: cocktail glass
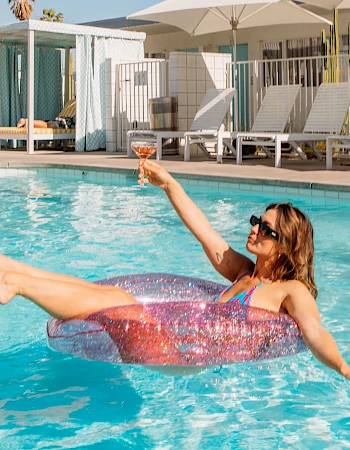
[[143, 150]]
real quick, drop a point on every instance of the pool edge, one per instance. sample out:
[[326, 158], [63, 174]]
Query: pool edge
[[311, 186]]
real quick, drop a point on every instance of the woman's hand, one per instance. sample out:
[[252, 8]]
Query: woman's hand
[[155, 174]]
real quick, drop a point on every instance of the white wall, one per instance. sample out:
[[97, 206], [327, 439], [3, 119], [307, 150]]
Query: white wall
[[191, 75]]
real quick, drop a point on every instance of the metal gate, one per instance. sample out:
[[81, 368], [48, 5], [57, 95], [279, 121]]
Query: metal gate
[[136, 83], [254, 77]]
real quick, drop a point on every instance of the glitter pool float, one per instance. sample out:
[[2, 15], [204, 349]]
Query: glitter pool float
[[175, 324]]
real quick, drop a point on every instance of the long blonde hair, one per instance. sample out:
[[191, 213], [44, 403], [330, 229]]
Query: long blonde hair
[[296, 237]]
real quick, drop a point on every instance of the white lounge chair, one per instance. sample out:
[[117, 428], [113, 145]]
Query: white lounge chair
[[326, 118], [42, 134], [335, 141], [272, 118], [207, 126]]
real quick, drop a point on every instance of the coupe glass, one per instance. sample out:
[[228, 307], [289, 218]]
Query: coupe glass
[[144, 150]]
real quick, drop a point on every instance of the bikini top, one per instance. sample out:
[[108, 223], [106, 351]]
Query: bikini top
[[244, 298]]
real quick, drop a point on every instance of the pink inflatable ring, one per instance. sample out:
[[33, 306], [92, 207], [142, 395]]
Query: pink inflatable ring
[[177, 324]]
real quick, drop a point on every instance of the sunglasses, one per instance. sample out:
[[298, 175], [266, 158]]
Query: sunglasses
[[264, 229]]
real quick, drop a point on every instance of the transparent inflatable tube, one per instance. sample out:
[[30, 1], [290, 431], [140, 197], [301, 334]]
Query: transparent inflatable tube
[[176, 324]]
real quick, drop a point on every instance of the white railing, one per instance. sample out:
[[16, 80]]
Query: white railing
[[136, 84], [254, 77]]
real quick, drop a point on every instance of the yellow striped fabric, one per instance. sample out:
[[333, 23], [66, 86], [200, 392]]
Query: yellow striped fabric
[[69, 109], [14, 130]]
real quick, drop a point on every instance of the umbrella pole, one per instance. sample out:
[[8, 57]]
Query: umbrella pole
[[235, 77]]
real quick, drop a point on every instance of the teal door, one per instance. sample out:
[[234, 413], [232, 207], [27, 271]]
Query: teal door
[[243, 83]]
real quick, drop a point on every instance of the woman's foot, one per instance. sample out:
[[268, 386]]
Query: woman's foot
[[7, 290], [22, 123]]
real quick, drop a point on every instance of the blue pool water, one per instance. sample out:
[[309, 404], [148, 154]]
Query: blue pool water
[[96, 229]]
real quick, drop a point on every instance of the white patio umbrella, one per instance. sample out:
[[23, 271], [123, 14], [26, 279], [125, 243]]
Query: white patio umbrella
[[329, 4], [209, 16]]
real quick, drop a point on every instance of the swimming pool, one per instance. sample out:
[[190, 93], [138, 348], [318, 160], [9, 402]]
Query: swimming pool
[[95, 227]]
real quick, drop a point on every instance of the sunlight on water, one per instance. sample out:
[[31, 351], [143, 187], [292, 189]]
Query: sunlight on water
[[96, 230]]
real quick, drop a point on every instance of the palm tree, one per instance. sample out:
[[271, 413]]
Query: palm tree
[[49, 15], [22, 9]]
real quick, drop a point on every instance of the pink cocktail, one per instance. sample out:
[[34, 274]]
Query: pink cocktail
[[143, 150]]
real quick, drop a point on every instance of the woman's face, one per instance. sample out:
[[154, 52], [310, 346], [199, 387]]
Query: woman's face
[[260, 245]]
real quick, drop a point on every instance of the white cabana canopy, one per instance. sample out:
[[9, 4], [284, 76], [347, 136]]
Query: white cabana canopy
[[43, 34], [59, 35]]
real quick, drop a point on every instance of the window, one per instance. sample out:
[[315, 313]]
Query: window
[[159, 55], [272, 68], [272, 50]]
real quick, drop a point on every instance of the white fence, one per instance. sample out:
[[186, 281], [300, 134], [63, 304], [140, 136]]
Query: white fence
[[254, 77], [136, 84]]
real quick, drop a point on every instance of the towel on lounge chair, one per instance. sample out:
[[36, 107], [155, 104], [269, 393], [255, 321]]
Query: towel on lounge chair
[[69, 109]]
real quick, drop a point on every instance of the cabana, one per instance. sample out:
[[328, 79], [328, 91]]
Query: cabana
[[38, 92]]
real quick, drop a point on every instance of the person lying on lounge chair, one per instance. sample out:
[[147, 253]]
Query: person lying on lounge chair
[[64, 120], [59, 122]]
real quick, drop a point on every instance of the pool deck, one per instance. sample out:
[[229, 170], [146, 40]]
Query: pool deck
[[310, 171]]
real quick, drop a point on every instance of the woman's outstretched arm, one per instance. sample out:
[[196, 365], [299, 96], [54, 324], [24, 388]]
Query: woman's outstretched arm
[[302, 307], [226, 261]]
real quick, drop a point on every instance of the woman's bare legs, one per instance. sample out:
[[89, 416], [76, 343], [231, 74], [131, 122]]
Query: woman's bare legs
[[37, 123], [12, 265], [61, 299]]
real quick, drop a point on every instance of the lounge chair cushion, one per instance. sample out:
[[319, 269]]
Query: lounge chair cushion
[[69, 109], [15, 130]]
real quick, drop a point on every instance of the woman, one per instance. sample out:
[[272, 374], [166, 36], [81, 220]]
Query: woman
[[281, 280], [60, 122]]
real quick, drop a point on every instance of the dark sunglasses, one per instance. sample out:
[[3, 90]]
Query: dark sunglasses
[[264, 229]]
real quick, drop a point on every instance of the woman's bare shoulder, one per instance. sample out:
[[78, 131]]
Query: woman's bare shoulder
[[294, 291], [295, 287], [298, 299]]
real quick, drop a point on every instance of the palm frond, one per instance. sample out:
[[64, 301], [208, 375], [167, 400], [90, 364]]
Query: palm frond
[[22, 9]]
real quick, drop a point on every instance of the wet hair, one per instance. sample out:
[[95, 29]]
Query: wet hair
[[296, 237]]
